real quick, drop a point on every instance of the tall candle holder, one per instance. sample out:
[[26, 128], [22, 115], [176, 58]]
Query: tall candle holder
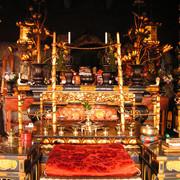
[[38, 76], [68, 73], [106, 75]]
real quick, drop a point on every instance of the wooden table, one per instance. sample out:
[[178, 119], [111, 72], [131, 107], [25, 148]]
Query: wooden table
[[19, 160], [157, 163], [11, 104]]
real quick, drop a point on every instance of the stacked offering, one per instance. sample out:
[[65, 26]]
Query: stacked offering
[[171, 145]]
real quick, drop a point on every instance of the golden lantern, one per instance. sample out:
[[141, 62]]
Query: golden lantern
[[153, 33], [23, 38]]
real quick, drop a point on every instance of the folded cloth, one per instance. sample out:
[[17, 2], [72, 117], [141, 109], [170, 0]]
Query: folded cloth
[[90, 160]]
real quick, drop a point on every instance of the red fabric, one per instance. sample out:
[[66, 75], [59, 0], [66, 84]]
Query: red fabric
[[90, 160]]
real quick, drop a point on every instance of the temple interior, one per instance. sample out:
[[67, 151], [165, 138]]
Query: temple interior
[[89, 90]]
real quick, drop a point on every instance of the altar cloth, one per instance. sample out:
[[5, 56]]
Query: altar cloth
[[90, 160]]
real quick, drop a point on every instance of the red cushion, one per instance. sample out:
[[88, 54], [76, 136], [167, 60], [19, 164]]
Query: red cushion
[[90, 160]]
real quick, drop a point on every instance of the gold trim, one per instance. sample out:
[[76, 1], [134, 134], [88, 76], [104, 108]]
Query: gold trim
[[116, 88], [152, 88], [101, 141], [88, 178], [7, 164], [76, 141], [21, 165], [23, 88], [91, 97], [87, 88], [89, 141], [161, 158], [126, 88], [58, 88], [59, 140], [3, 174]]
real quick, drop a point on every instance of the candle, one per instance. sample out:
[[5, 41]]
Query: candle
[[69, 37], [106, 37]]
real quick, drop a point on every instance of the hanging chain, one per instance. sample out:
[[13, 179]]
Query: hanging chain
[[104, 47]]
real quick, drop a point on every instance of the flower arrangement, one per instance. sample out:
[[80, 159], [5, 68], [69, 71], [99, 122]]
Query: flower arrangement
[[164, 77], [9, 77], [61, 58]]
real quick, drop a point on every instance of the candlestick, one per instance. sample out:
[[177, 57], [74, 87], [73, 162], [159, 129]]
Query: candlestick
[[69, 37], [106, 37]]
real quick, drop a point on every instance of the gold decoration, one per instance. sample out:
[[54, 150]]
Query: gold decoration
[[173, 165], [76, 141], [101, 141], [48, 143], [24, 30], [89, 141], [7, 164], [91, 97], [152, 89], [88, 88], [153, 33], [23, 88], [62, 141], [58, 88]]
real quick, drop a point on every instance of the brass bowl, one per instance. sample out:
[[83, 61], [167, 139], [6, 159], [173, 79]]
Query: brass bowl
[[148, 130]]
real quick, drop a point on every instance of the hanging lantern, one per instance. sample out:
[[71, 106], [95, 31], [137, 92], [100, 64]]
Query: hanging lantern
[[23, 38]]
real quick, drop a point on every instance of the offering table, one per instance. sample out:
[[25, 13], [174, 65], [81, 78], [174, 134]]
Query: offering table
[[48, 141], [156, 162], [19, 159]]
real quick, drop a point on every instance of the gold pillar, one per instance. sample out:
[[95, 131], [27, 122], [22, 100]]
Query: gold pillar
[[120, 82], [41, 106], [20, 113], [53, 74], [134, 108], [158, 113], [154, 102]]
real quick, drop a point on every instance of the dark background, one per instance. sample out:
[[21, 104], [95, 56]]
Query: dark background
[[90, 17]]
